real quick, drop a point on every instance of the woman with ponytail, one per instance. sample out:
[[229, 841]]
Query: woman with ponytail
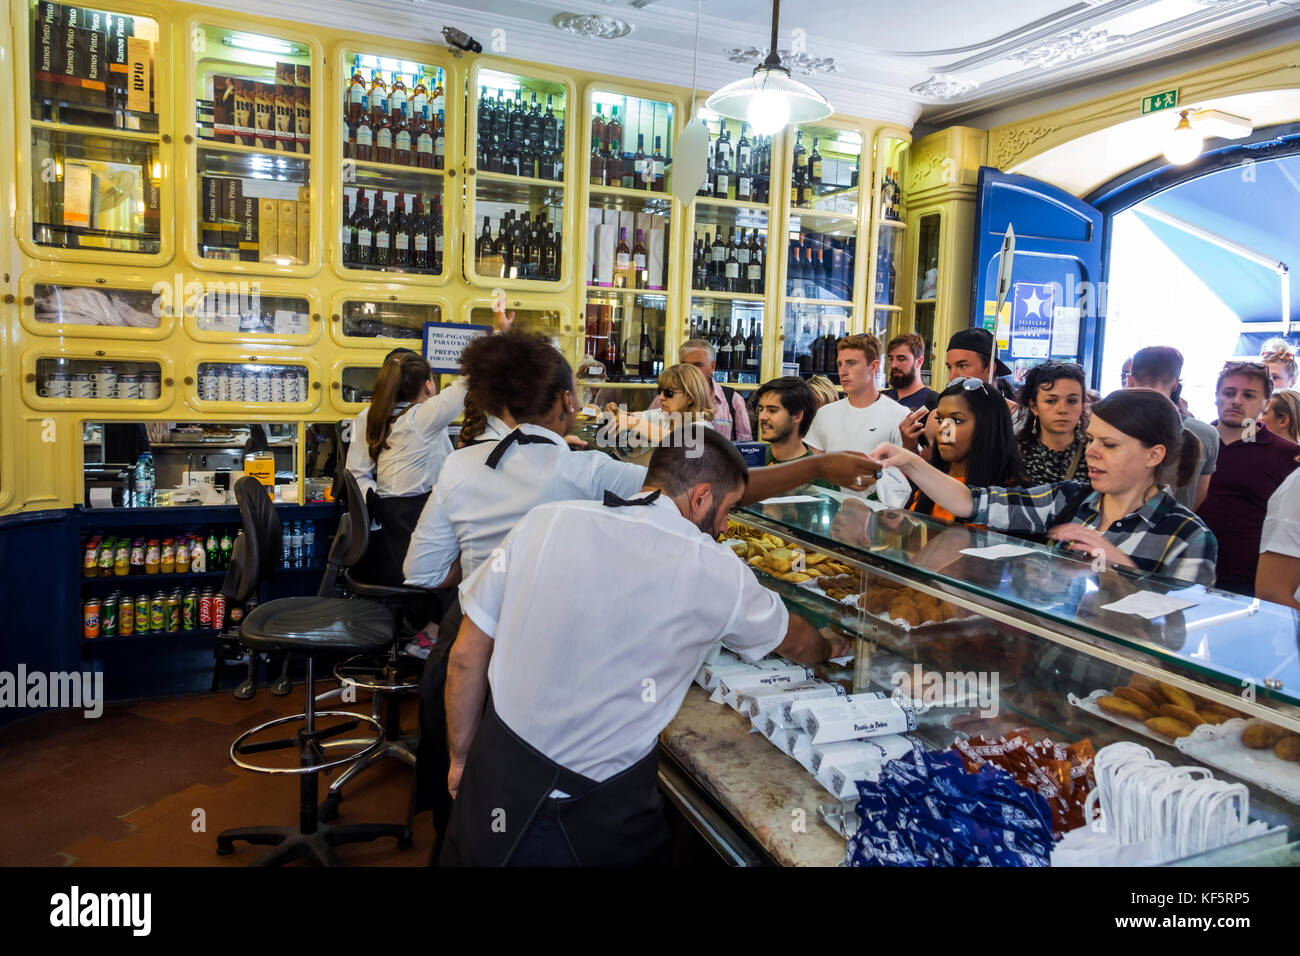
[[1136, 447]]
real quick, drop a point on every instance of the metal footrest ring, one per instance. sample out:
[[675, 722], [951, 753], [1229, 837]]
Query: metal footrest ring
[[370, 677], [373, 746]]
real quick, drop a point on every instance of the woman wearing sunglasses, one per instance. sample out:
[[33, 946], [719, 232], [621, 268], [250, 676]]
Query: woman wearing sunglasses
[[684, 396], [974, 444], [1136, 446], [1051, 434]]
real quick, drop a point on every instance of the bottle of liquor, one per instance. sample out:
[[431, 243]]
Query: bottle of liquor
[[518, 253], [348, 239], [495, 162], [599, 165], [885, 207], [484, 249], [597, 130], [356, 92], [365, 238], [817, 349], [646, 369], [799, 170], [420, 99], [396, 97], [738, 350], [349, 137], [658, 166], [609, 352], [439, 140], [548, 266], [760, 260], [753, 270], [622, 262], [721, 176], [437, 97], [500, 114], [381, 228], [709, 175], [546, 163], [614, 129], [718, 259], [744, 175], [401, 234], [549, 140], [641, 165], [732, 283], [528, 262], [424, 141], [723, 157], [629, 170], [533, 122], [486, 114], [724, 354], [435, 233], [829, 348], [639, 262], [614, 162], [378, 94], [753, 348], [421, 260], [794, 270], [700, 267], [383, 139], [365, 137], [402, 139], [815, 166], [528, 159], [518, 118]]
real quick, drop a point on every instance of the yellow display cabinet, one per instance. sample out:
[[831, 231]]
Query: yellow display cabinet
[[116, 310], [520, 178], [224, 382], [250, 161], [889, 223], [532, 314], [822, 269], [80, 378], [373, 317], [255, 312], [397, 142], [94, 138], [352, 383], [740, 318]]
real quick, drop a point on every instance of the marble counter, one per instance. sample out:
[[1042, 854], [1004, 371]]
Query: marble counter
[[760, 787]]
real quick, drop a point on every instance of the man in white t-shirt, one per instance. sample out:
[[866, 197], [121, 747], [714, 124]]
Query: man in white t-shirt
[[1277, 576], [864, 417]]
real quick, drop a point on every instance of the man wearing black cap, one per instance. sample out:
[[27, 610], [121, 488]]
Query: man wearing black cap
[[968, 355]]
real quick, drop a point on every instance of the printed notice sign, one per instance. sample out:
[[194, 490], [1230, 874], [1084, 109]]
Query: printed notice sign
[[444, 341], [1031, 319]]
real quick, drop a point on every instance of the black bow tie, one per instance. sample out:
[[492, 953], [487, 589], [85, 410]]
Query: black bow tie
[[614, 501], [504, 444]]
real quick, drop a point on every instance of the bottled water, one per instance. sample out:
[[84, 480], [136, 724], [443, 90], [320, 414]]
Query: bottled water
[[286, 543], [143, 480], [309, 543], [297, 544]]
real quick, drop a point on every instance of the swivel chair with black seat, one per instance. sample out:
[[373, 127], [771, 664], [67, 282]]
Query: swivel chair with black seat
[[311, 625]]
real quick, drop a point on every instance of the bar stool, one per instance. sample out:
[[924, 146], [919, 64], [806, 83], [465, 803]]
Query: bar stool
[[311, 625]]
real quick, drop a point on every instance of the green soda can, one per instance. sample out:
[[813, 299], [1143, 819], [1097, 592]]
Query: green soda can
[[142, 614], [189, 610], [158, 612], [108, 616], [172, 612]]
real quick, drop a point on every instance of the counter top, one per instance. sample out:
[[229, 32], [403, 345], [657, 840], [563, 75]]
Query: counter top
[[753, 781]]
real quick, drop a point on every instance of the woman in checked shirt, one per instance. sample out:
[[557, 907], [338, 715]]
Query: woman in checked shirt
[[1136, 447]]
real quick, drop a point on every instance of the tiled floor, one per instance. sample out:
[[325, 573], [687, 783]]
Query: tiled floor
[[151, 783]]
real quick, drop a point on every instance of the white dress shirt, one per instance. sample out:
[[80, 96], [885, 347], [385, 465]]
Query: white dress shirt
[[473, 507], [840, 426], [601, 617], [417, 446]]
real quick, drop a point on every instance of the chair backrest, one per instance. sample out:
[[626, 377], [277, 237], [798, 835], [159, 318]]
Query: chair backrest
[[337, 490], [253, 559], [352, 537]]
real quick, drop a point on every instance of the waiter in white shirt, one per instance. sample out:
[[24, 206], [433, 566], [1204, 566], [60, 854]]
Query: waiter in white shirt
[[861, 419], [576, 652]]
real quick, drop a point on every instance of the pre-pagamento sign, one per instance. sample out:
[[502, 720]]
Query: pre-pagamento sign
[[444, 341]]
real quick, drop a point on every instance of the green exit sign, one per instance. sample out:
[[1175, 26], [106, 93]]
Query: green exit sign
[[1159, 101]]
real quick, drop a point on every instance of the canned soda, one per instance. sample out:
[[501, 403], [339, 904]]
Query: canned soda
[[126, 616], [205, 609], [142, 614], [90, 618], [236, 614], [172, 613], [157, 612], [189, 610], [108, 616], [218, 611]]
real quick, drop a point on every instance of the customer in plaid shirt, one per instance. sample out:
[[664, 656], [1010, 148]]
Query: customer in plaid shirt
[[1136, 447]]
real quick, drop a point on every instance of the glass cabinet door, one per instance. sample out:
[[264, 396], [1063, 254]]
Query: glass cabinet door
[[926, 293], [516, 221], [354, 386], [230, 311], [98, 311], [551, 320], [382, 321], [887, 215], [67, 381], [253, 150], [98, 128], [254, 384], [394, 160]]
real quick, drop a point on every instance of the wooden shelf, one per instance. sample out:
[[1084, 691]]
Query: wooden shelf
[[600, 290], [518, 180], [97, 131], [396, 168], [736, 296], [924, 302], [731, 204], [892, 224], [887, 308], [207, 633], [642, 195], [803, 212], [219, 147], [835, 303]]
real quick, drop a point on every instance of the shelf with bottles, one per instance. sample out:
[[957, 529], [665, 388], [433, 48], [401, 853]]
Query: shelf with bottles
[[513, 134], [355, 384], [95, 191], [82, 65], [888, 265], [811, 333], [617, 122], [739, 166], [825, 164], [378, 321], [626, 250], [227, 310], [623, 336], [891, 165], [409, 240], [252, 383], [636, 200], [820, 266], [254, 208], [97, 311], [62, 379], [735, 330], [736, 267], [394, 118], [523, 247]]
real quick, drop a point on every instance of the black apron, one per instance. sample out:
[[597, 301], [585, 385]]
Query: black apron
[[506, 787], [397, 518], [504, 802]]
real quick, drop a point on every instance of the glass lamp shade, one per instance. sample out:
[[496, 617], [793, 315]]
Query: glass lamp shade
[[1184, 143], [769, 100]]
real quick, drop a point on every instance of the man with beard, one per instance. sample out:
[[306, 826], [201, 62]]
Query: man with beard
[[905, 355], [555, 703], [1252, 463]]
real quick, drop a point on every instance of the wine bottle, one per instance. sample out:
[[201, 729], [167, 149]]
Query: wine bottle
[[641, 165], [378, 95], [402, 138], [732, 277], [397, 98], [420, 99], [752, 348], [435, 233], [348, 239], [421, 261], [817, 349], [364, 149], [401, 233], [533, 122], [439, 140], [639, 262], [356, 92], [724, 353], [658, 166], [614, 162], [599, 166], [699, 267], [597, 130], [718, 257], [614, 130], [381, 229], [517, 119], [549, 141], [742, 259], [815, 166], [484, 248], [365, 237], [646, 369], [383, 139], [622, 262], [424, 142], [753, 268]]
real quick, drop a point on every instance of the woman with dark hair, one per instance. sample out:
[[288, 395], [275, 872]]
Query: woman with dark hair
[[975, 444], [1054, 403], [1136, 446]]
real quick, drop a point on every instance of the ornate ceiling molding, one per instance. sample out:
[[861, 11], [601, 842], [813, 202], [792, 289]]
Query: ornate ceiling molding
[[1006, 145], [1068, 47], [940, 87], [592, 25], [794, 62]]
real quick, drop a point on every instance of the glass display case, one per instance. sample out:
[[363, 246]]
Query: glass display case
[[887, 216], [926, 293], [233, 311], [354, 385], [98, 158], [253, 149], [518, 190], [1042, 634], [253, 383], [98, 311], [98, 379], [735, 328], [394, 150], [375, 321]]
